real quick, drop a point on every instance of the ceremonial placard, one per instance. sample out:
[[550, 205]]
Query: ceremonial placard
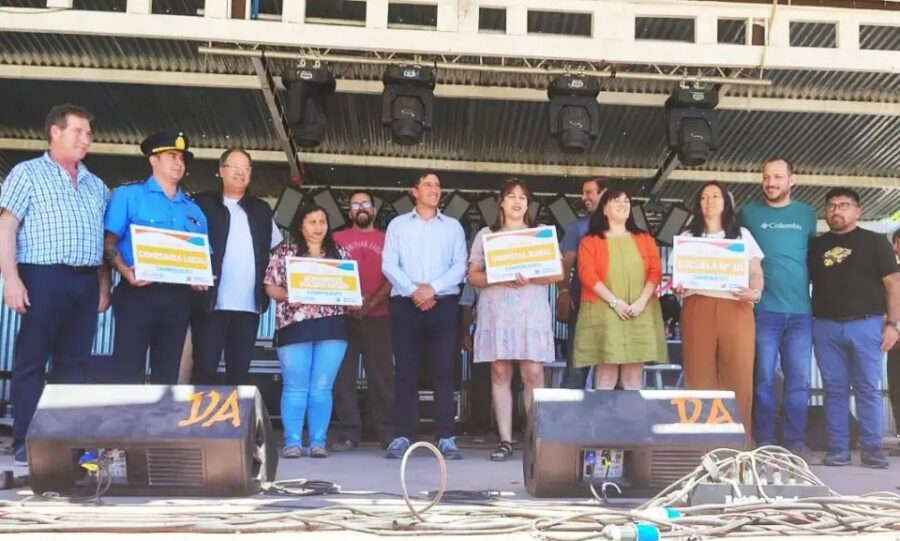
[[712, 264], [533, 253], [174, 257], [323, 281]]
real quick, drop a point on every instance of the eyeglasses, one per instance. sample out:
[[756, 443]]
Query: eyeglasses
[[361, 205], [238, 168], [845, 205]]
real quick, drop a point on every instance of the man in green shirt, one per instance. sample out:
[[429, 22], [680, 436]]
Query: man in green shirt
[[782, 228]]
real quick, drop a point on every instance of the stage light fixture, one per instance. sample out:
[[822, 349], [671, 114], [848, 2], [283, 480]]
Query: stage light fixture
[[574, 112], [676, 219], [488, 207], [403, 204], [533, 209], [378, 203], [306, 117], [640, 217], [326, 200], [407, 104], [693, 131], [285, 213], [456, 206], [562, 211]]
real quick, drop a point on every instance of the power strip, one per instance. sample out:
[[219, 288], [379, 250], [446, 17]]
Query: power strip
[[720, 493]]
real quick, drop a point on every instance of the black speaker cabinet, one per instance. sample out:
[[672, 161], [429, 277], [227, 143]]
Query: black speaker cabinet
[[641, 440], [155, 440]]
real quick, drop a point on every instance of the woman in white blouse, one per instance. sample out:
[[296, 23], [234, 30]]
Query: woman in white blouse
[[717, 327]]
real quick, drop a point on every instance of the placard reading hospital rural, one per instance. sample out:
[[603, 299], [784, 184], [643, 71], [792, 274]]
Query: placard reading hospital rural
[[713, 264], [323, 281], [533, 253], [175, 257]]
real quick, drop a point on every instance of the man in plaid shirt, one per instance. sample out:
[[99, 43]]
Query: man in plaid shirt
[[51, 254]]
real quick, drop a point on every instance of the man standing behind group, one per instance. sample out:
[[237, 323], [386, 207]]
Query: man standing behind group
[[51, 256], [241, 235], [151, 315], [569, 299], [369, 330], [782, 228], [893, 364], [425, 260]]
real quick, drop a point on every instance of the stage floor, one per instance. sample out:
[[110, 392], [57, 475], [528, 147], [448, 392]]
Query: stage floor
[[369, 479]]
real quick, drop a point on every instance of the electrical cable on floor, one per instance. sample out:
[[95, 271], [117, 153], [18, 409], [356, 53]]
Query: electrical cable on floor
[[442, 464], [301, 487], [550, 521]]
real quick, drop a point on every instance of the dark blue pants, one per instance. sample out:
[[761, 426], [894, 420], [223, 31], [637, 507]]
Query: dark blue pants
[[223, 331], [59, 325], [893, 375], [155, 317], [433, 335], [575, 378]]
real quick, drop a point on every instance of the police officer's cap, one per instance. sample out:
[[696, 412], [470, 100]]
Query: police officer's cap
[[166, 140]]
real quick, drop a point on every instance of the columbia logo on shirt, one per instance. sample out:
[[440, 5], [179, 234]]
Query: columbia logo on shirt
[[778, 225]]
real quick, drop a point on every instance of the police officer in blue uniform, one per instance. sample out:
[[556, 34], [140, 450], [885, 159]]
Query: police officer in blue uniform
[[151, 315]]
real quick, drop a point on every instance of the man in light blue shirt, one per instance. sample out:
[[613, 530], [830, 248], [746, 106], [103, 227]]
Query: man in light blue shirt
[[569, 299], [782, 228], [148, 315], [424, 258]]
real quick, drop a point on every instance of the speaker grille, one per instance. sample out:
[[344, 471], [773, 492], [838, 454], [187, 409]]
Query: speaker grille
[[670, 465], [175, 466]]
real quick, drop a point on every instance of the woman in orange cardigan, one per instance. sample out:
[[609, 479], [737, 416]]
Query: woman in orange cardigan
[[620, 324]]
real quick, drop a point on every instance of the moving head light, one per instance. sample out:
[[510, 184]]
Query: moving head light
[[307, 90], [574, 112], [407, 104], [693, 130]]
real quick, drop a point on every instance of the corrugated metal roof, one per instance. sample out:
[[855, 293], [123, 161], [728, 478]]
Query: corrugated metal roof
[[465, 129], [817, 143], [33, 49], [125, 114]]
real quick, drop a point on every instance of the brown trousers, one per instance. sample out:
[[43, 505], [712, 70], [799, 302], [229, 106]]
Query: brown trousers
[[717, 344]]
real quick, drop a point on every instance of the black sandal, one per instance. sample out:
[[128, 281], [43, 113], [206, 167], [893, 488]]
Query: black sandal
[[502, 452]]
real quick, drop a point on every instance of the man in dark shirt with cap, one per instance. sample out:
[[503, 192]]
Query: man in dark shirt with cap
[[151, 315]]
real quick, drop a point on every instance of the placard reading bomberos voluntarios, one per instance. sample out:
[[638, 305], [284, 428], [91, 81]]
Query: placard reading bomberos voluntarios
[[711, 264], [323, 281], [533, 253], [174, 257]]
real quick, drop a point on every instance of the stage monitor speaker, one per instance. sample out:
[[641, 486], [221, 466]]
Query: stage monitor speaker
[[641, 440], [151, 440]]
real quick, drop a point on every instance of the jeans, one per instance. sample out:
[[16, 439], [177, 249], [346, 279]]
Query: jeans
[[789, 335], [849, 354], [60, 324], [308, 370]]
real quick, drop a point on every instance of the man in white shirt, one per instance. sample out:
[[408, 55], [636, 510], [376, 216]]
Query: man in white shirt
[[241, 234]]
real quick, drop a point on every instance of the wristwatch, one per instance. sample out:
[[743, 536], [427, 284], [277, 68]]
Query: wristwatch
[[613, 303], [894, 324]]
